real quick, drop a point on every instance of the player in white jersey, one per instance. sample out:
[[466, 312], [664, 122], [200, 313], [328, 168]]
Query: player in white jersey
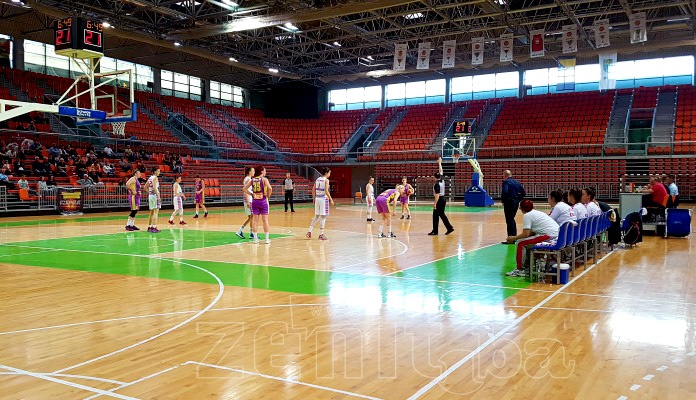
[[322, 198], [178, 200], [247, 198], [154, 200], [370, 197]]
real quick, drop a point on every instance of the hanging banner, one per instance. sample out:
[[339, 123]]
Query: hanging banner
[[423, 56], [448, 50], [400, 57], [639, 31], [506, 47], [601, 30], [477, 51], [536, 43], [570, 39], [606, 62]]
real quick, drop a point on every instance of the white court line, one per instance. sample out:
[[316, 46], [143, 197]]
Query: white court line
[[33, 252], [152, 315], [125, 385], [441, 258], [67, 383], [498, 335], [89, 378], [281, 379]]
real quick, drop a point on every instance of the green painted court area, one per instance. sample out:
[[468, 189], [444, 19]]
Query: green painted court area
[[474, 276]]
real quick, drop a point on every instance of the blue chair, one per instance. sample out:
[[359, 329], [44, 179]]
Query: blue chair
[[554, 249]]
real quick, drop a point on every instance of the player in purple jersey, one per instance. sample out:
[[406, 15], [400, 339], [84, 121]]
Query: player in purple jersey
[[261, 191], [403, 199], [134, 190], [385, 203], [199, 196]]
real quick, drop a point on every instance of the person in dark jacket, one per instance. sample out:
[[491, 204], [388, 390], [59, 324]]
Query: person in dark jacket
[[511, 195]]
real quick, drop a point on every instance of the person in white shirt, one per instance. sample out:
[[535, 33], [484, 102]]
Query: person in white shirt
[[178, 198], [289, 186], [560, 211], [109, 151], [588, 199], [370, 197], [537, 227], [575, 201], [322, 198], [246, 199]]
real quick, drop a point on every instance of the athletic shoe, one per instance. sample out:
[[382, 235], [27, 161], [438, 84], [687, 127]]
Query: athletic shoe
[[182, 223], [409, 216], [449, 231], [240, 234], [256, 241], [432, 234], [268, 241], [381, 235], [205, 215], [195, 216], [322, 237], [155, 230], [517, 272], [129, 228], [369, 220], [402, 216], [171, 222], [251, 235], [506, 242], [309, 235], [135, 228], [391, 235], [293, 211]]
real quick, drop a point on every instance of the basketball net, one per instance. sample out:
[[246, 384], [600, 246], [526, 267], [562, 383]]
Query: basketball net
[[119, 128]]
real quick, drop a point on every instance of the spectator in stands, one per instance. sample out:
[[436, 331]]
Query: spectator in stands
[[560, 211], [81, 166], [655, 194], [537, 227], [588, 200], [128, 153], [86, 181], [54, 151], [61, 167], [178, 168], [31, 127], [511, 195], [17, 166], [51, 181], [144, 155], [124, 165], [27, 144], [23, 184], [108, 169], [71, 152], [42, 185], [63, 151], [94, 172], [39, 167], [109, 152], [575, 200], [3, 175]]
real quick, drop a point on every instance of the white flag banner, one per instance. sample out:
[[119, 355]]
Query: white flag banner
[[423, 56], [536, 43], [601, 31], [448, 50], [606, 62], [570, 39], [639, 31], [477, 51], [400, 57], [506, 47]]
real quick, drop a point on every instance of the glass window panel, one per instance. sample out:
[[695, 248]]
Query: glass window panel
[[396, 91], [58, 62], [238, 98], [355, 95], [123, 65], [415, 89], [36, 59], [587, 73], [167, 75], [107, 64], [181, 87], [435, 88], [463, 84], [195, 90], [373, 93], [226, 96], [215, 94], [195, 81], [181, 78], [536, 77], [237, 90], [33, 47], [507, 80], [622, 70], [677, 66], [337, 96], [649, 68], [484, 83], [225, 88]]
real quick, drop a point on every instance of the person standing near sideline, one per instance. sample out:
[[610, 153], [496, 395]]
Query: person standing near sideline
[[370, 197], [289, 190], [440, 202], [511, 195], [178, 200], [154, 200]]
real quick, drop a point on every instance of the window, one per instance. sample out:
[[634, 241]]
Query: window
[[222, 93], [653, 72], [355, 98], [461, 88]]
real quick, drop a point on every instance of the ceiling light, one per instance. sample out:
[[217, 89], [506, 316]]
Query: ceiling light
[[16, 1], [678, 19], [414, 15], [336, 44], [106, 24], [187, 3], [273, 70], [501, 2], [282, 37], [370, 58], [177, 44], [290, 26], [233, 59], [230, 3]]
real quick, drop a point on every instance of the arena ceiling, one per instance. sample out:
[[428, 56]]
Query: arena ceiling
[[321, 41]]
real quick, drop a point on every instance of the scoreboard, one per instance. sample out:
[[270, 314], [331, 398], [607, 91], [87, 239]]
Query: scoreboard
[[462, 127], [78, 38]]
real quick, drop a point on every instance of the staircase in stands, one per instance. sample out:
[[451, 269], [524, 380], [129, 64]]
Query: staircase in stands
[[618, 119]]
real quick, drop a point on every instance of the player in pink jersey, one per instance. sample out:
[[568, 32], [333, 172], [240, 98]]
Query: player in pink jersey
[[199, 196], [386, 202], [261, 192], [403, 199]]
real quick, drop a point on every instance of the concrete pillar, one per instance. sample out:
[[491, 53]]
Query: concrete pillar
[[156, 80], [205, 90], [520, 88], [18, 54]]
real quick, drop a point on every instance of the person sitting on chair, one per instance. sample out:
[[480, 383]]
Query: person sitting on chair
[[537, 227], [655, 194]]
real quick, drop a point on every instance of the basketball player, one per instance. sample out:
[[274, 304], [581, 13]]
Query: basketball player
[[408, 190], [246, 199], [178, 200], [154, 200], [370, 196], [320, 194], [261, 192], [199, 197], [385, 202], [134, 190]]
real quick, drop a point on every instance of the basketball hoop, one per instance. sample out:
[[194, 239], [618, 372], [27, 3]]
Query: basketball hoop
[[456, 156], [119, 128]]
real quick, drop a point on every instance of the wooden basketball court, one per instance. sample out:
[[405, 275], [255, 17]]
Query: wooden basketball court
[[89, 310]]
